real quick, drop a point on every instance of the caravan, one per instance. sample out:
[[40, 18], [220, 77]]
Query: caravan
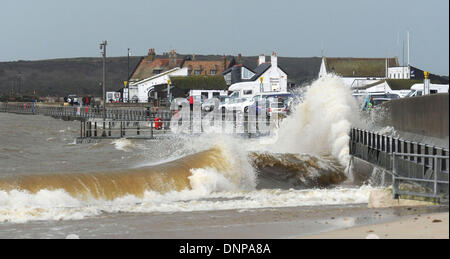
[[244, 90], [417, 89]]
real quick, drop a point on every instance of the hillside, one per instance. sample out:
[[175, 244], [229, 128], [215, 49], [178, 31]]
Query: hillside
[[82, 76], [60, 77]]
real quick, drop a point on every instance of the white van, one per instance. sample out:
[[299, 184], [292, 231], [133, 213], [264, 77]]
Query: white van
[[244, 90], [207, 94], [417, 89]]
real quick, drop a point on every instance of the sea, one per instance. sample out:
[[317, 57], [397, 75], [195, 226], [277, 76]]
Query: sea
[[52, 187]]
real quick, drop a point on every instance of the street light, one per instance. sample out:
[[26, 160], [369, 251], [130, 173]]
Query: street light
[[103, 52], [128, 74]]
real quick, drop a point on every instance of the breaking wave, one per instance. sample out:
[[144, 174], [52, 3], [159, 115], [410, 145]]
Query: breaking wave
[[320, 125], [309, 152]]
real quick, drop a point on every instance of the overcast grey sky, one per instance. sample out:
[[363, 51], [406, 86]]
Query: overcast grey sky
[[48, 29]]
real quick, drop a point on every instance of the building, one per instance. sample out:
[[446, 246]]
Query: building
[[273, 77], [149, 81], [146, 90], [357, 72], [152, 65], [206, 67]]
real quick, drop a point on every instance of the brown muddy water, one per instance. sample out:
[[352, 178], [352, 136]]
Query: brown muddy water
[[184, 187]]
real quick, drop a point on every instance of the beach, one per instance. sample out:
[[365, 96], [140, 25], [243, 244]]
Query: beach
[[428, 226]]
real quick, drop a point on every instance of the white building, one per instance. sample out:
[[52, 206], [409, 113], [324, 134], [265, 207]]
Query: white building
[[358, 72], [142, 90], [273, 78], [399, 72]]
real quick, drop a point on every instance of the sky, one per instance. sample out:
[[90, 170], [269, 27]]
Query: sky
[[48, 29]]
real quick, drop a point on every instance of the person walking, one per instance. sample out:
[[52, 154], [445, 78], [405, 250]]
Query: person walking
[[191, 102]]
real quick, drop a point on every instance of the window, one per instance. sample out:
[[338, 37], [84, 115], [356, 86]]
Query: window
[[213, 72], [197, 72], [235, 94], [248, 92], [246, 74]]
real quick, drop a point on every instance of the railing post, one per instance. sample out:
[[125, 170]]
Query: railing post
[[394, 181], [436, 171]]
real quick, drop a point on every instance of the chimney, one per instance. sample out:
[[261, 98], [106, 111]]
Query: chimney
[[151, 55], [172, 58], [274, 60], [261, 59], [193, 57], [239, 59], [224, 63]]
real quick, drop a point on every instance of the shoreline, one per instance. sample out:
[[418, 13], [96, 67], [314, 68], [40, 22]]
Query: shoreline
[[262, 223], [426, 226]]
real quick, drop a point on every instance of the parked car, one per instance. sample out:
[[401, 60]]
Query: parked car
[[276, 106], [233, 104], [73, 98], [208, 105], [261, 102]]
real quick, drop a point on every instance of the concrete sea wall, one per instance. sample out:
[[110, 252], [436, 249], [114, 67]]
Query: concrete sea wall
[[424, 115]]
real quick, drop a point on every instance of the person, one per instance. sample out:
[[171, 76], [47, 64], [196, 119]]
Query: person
[[69, 100], [370, 104], [191, 102]]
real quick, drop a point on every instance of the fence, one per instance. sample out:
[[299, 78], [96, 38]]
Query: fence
[[438, 181], [407, 161], [233, 124], [123, 129], [86, 112]]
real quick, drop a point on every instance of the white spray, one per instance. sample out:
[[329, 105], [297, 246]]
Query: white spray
[[320, 125]]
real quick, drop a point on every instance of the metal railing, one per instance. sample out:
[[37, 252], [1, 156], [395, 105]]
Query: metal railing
[[98, 128], [408, 161], [437, 174], [85, 112], [123, 129]]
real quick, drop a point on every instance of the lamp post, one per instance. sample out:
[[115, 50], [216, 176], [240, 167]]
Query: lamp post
[[103, 52], [128, 71], [128, 75]]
